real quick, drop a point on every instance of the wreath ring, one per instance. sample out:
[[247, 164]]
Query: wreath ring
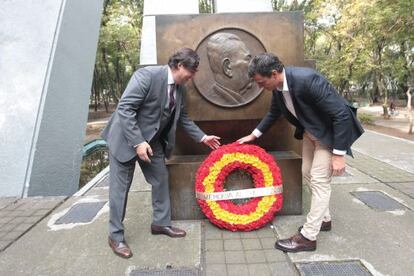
[[265, 199]]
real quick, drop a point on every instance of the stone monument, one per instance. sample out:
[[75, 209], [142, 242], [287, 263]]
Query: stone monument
[[47, 54], [222, 101]]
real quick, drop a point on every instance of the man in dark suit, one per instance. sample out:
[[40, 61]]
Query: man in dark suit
[[326, 123], [143, 129]]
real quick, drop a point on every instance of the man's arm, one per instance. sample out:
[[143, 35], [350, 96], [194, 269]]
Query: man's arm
[[329, 103], [325, 98], [130, 103], [338, 164], [194, 131], [271, 116]]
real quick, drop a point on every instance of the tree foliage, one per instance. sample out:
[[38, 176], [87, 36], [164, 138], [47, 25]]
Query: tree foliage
[[118, 49], [364, 47], [206, 6]]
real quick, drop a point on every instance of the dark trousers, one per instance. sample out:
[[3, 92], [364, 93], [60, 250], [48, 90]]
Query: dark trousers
[[121, 175]]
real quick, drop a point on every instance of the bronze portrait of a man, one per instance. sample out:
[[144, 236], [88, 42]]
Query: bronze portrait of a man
[[229, 58]]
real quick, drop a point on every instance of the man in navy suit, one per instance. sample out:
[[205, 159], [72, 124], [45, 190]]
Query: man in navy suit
[[326, 123]]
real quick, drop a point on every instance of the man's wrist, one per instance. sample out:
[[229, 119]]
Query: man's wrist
[[137, 145], [339, 152], [257, 133], [204, 138]]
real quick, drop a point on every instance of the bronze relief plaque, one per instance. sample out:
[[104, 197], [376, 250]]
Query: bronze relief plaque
[[279, 33], [225, 55]]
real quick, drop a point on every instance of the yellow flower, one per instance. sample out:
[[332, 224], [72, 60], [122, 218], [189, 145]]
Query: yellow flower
[[264, 204]]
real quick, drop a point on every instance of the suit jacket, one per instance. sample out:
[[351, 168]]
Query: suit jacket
[[320, 110], [138, 115]]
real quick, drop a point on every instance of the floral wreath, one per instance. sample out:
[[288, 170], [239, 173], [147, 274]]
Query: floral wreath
[[265, 199]]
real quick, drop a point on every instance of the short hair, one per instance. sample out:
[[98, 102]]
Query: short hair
[[185, 56], [264, 64], [219, 46]]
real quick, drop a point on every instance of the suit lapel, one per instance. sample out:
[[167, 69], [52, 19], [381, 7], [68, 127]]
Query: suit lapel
[[289, 79], [178, 96], [164, 85], [291, 118]]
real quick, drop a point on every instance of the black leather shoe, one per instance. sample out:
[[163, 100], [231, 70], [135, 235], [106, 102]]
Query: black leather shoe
[[325, 226], [170, 231], [120, 248], [296, 243]]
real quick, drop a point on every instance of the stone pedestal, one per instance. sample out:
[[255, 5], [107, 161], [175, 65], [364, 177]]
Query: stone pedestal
[[183, 170]]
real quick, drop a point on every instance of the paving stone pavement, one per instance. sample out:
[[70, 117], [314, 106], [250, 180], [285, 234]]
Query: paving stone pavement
[[18, 216], [394, 151], [243, 253], [406, 187], [381, 171]]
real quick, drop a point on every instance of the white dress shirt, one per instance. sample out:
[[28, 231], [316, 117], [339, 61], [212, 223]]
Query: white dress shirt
[[289, 105], [170, 81]]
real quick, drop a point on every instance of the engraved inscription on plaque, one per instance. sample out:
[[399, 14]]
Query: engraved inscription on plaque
[[239, 180], [225, 57]]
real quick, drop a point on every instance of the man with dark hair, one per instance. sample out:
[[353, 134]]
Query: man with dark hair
[[142, 129], [326, 123]]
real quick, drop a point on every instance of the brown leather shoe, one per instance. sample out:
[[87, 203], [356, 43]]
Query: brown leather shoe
[[120, 248], [325, 226], [170, 231], [296, 243]]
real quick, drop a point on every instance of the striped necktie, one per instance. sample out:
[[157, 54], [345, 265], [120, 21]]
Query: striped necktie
[[172, 99]]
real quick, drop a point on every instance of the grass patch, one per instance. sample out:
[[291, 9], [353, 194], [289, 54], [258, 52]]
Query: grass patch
[[366, 118]]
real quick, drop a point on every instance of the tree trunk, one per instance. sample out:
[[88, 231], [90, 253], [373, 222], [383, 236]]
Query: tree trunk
[[117, 69], [375, 90], [383, 91], [108, 75], [410, 85], [95, 88], [410, 112]]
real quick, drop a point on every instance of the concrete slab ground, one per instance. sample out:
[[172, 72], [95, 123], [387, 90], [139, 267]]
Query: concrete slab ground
[[379, 170], [381, 240], [394, 151], [18, 216], [83, 249], [353, 175], [6, 201]]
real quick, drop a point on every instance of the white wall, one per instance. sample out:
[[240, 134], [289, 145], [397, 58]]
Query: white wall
[[222, 6], [148, 53]]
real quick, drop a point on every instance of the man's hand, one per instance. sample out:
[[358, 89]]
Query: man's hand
[[144, 151], [212, 141], [338, 164], [246, 139]]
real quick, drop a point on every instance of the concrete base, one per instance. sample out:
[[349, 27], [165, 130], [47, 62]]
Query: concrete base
[[358, 230], [182, 170], [70, 251]]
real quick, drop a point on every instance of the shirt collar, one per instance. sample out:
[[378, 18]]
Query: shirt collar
[[285, 84], [170, 76]]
